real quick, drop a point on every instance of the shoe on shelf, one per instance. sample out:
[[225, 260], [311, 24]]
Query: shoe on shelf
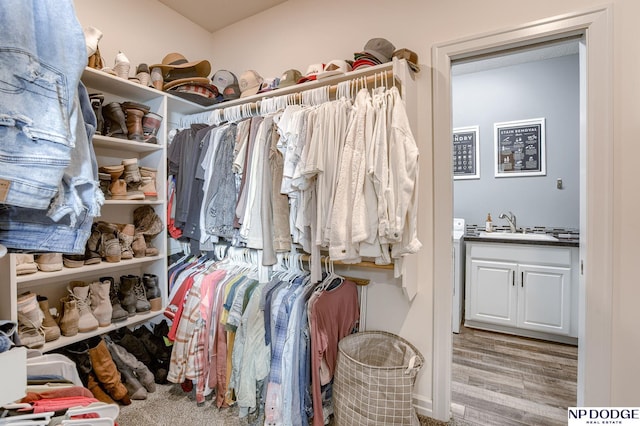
[[115, 124], [125, 237], [80, 292], [152, 291], [101, 307], [117, 312], [69, 317], [49, 325], [97, 100], [134, 113], [148, 186], [73, 260], [49, 262], [25, 264], [122, 66], [149, 224], [143, 74], [30, 317], [150, 125]]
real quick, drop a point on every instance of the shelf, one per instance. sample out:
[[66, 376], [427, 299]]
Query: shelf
[[108, 142], [102, 268], [98, 80], [134, 320], [133, 202]]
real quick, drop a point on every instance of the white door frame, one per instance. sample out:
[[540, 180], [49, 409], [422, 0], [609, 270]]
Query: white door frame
[[596, 201]]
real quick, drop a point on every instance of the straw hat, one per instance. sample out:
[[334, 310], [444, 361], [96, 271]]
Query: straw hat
[[177, 61]]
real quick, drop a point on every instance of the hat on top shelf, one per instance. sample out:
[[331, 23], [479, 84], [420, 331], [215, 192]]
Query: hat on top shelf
[[376, 51], [223, 78], [231, 92], [410, 56], [176, 69], [249, 83], [269, 84], [200, 93], [289, 78], [335, 67], [312, 73]]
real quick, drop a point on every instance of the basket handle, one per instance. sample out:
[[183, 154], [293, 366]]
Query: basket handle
[[412, 363]]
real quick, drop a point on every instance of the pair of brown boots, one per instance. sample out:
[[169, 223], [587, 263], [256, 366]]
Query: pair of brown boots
[[125, 120]]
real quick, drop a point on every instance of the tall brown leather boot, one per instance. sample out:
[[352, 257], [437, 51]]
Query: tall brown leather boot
[[134, 113], [106, 372], [94, 386]]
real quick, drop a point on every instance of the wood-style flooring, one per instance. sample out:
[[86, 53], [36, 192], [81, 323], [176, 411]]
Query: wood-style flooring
[[499, 379]]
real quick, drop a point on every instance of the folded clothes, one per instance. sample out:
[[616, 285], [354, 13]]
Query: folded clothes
[[59, 404], [66, 392]]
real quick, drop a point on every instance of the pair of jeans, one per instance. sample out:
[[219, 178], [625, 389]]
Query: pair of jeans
[[66, 227], [42, 56]]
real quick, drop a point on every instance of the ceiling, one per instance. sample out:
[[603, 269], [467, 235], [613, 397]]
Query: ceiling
[[213, 15]]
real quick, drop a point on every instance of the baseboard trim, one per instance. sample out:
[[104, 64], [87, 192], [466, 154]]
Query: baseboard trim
[[423, 406]]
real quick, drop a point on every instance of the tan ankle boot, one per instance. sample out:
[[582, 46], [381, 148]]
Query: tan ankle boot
[[125, 236], [148, 186], [79, 291], [69, 317], [30, 319], [49, 325], [100, 303], [134, 113]]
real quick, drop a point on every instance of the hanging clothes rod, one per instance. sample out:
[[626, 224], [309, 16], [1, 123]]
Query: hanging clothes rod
[[364, 264], [238, 109]]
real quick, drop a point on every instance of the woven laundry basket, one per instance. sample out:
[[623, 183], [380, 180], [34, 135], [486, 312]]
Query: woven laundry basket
[[374, 379]]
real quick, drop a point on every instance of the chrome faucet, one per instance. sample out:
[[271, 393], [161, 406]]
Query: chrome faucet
[[511, 218]]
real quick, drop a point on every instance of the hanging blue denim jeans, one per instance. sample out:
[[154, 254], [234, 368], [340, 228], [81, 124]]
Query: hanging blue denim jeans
[[77, 202], [42, 56]]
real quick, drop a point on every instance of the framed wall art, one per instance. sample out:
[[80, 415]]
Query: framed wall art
[[520, 148], [466, 150]]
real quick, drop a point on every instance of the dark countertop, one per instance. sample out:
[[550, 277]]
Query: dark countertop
[[567, 237]]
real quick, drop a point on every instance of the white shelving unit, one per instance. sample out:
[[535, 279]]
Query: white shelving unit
[[109, 151]]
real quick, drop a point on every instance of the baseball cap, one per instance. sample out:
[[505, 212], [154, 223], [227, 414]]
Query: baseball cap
[[249, 83], [312, 72], [289, 78], [269, 84], [334, 67], [222, 78], [381, 48], [231, 92]]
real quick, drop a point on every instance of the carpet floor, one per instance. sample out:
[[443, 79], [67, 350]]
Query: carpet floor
[[170, 405]]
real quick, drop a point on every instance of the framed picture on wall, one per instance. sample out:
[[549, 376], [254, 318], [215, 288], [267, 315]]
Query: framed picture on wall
[[466, 164], [520, 148]]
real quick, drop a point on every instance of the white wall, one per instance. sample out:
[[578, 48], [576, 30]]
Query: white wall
[[300, 32]]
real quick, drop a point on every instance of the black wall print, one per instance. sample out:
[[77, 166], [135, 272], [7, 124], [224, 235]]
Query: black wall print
[[465, 153], [520, 148]]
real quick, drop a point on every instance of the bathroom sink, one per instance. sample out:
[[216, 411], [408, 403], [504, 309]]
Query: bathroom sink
[[517, 236]]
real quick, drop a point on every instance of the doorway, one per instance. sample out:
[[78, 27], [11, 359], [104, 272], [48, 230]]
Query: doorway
[[496, 376], [594, 365]]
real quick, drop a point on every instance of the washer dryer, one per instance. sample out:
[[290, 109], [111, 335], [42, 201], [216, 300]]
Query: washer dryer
[[458, 274]]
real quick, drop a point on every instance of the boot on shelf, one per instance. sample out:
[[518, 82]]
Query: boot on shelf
[[109, 242], [97, 390], [139, 246], [143, 74], [149, 224], [132, 172], [30, 317], [132, 296], [134, 113], [106, 372], [115, 124], [79, 291], [118, 314], [96, 104], [92, 248], [122, 66], [150, 126], [152, 291], [148, 186], [69, 317], [125, 236], [100, 304], [49, 325], [142, 304]]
